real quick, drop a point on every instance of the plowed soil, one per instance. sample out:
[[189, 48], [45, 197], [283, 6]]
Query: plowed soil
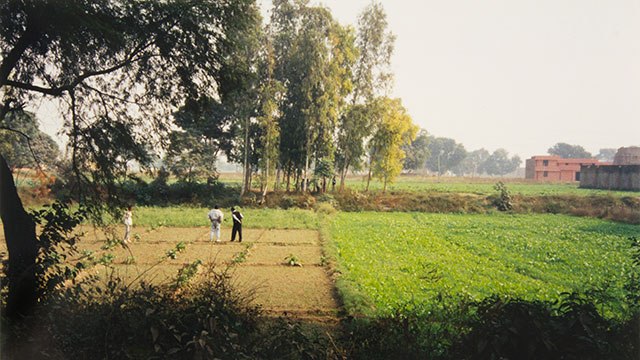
[[258, 265]]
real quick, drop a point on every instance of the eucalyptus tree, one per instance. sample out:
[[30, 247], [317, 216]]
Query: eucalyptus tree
[[269, 93], [395, 130], [118, 69], [313, 55], [372, 78]]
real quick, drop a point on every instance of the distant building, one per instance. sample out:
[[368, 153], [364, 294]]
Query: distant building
[[623, 174], [555, 168]]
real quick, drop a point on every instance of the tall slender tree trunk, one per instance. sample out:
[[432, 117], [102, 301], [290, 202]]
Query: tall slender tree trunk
[[343, 173], [305, 178], [246, 171], [288, 180], [20, 235], [266, 177], [369, 175]]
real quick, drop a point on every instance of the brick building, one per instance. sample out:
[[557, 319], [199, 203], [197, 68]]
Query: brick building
[[555, 168]]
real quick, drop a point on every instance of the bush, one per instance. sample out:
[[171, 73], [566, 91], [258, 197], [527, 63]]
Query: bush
[[519, 329]]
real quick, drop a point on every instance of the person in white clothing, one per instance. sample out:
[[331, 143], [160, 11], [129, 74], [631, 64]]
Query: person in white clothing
[[215, 216], [127, 219]]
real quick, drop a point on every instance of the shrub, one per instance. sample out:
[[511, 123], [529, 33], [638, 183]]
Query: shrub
[[325, 208]]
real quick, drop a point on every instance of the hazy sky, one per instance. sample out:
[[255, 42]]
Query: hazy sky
[[521, 75]]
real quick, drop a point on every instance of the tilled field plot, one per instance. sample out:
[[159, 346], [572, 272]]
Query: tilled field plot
[[261, 263]]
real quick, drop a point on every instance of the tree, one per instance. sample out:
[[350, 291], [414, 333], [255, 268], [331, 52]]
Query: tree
[[417, 152], [353, 128], [205, 130], [568, 151], [23, 144], [396, 129], [473, 163], [606, 154], [499, 163], [268, 112], [119, 69], [372, 79], [375, 44], [313, 56], [446, 154], [239, 88]]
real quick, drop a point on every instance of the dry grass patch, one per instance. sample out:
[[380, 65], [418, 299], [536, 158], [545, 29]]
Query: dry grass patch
[[288, 288], [289, 237], [275, 255]]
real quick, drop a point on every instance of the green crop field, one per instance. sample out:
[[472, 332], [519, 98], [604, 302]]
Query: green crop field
[[183, 216], [393, 259], [480, 186]]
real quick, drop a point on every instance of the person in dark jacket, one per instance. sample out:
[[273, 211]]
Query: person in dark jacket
[[237, 224]]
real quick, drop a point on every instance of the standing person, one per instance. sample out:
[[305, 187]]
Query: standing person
[[215, 216], [127, 219], [237, 224]]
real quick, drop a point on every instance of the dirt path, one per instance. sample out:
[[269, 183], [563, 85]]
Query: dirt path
[[305, 292]]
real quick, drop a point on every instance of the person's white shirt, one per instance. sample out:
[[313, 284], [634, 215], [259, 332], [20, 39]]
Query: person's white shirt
[[216, 216]]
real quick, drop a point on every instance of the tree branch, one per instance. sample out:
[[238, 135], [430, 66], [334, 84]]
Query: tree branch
[[57, 91]]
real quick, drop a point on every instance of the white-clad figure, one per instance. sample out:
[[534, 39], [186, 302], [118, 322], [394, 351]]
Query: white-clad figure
[[127, 219], [215, 216]]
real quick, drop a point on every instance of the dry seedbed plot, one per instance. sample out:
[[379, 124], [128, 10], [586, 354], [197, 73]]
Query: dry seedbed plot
[[261, 263]]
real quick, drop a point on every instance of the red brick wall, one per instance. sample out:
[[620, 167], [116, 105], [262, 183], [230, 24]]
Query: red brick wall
[[556, 168]]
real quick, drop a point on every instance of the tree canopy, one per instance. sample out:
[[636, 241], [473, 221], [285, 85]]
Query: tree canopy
[[569, 151], [446, 154], [118, 68], [25, 146]]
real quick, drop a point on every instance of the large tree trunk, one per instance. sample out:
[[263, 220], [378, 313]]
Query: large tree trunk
[[20, 235]]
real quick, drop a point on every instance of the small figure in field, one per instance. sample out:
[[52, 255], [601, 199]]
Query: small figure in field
[[215, 216], [127, 219], [237, 224]]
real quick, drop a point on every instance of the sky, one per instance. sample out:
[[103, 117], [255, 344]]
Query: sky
[[515, 74], [521, 75]]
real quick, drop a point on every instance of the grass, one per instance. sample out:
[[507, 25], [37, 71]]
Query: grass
[[391, 260], [253, 218]]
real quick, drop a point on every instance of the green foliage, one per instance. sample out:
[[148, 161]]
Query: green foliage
[[158, 192], [17, 149], [395, 129], [503, 201], [446, 154], [241, 256], [389, 259], [570, 329], [173, 253], [473, 163], [292, 260], [254, 218], [569, 151], [118, 69], [417, 152], [57, 246], [499, 163], [187, 272]]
